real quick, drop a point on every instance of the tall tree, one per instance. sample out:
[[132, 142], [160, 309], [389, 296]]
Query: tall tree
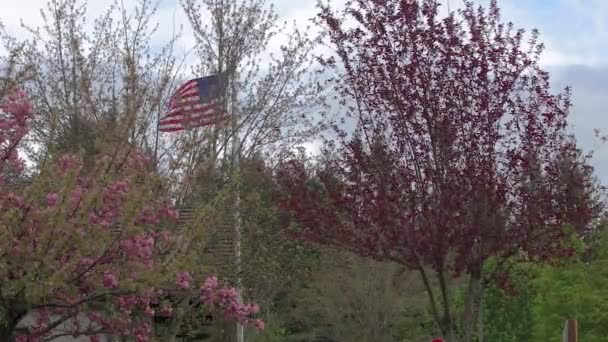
[[91, 81], [274, 92], [453, 160]]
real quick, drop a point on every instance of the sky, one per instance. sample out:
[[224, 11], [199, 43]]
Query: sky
[[575, 33]]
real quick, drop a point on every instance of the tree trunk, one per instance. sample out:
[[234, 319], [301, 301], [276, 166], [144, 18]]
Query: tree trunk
[[448, 330], [9, 323], [480, 316], [472, 309], [6, 332], [448, 326]]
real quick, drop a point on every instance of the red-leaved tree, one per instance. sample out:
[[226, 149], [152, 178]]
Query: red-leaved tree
[[87, 252], [460, 153]]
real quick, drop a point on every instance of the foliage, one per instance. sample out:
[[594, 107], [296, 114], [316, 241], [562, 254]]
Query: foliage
[[537, 300], [573, 290], [507, 307], [274, 262], [458, 152], [357, 299], [508, 317]]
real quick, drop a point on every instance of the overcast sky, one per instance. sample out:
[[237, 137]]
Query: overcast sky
[[575, 33]]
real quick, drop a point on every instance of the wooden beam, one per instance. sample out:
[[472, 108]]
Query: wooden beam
[[570, 333]]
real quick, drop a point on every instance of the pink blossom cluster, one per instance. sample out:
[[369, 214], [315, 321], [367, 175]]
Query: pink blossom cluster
[[110, 280], [52, 199], [139, 247], [113, 198], [138, 160], [142, 332], [15, 112], [226, 300], [68, 163], [131, 303], [183, 280], [156, 213]]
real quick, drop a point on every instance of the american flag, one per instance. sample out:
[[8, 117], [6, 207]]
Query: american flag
[[195, 104]]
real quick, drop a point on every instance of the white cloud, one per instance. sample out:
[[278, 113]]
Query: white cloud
[[575, 32], [313, 148], [553, 56]]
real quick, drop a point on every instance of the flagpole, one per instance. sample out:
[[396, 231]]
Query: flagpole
[[157, 133], [240, 332]]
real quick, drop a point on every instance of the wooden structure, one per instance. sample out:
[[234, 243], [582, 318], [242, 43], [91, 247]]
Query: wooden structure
[[219, 252], [570, 333]]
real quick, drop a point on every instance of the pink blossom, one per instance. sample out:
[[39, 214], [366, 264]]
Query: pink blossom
[[51, 199], [13, 127], [258, 324], [76, 324], [119, 187], [140, 247], [95, 338], [105, 224], [42, 317], [75, 196], [86, 261], [110, 281], [27, 338], [165, 311], [142, 332], [226, 299], [163, 236], [63, 260], [95, 316], [170, 213], [15, 200], [127, 303], [149, 311], [138, 160], [93, 218], [21, 338], [69, 162], [183, 280], [149, 215]]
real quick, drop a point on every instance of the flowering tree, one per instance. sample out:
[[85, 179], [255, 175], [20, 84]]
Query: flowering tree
[[460, 155], [13, 127], [90, 251]]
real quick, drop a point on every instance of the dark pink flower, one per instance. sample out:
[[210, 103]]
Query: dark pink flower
[[110, 281], [259, 325], [183, 280], [51, 199]]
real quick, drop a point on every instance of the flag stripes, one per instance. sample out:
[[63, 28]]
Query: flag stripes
[[196, 103]]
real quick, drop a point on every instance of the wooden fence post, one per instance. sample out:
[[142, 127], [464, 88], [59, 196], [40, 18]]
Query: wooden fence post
[[570, 333]]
